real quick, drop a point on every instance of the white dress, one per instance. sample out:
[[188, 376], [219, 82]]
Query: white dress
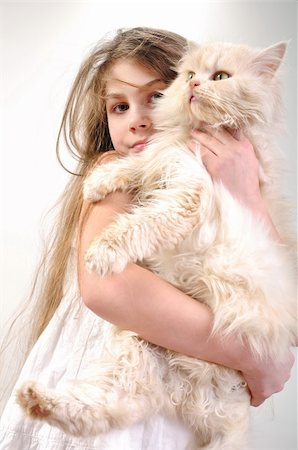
[[73, 337]]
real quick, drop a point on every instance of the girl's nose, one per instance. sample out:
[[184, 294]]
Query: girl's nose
[[139, 121]]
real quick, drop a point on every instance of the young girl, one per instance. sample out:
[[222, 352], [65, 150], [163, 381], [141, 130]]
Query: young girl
[[108, 109]]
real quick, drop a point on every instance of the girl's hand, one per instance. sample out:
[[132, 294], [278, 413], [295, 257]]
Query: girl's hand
[[265, 378], [230, 158]]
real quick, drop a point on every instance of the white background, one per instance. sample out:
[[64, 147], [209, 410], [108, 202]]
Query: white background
[[42, 45]]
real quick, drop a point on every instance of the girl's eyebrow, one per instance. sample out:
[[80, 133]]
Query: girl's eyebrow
[[113, 95], [137, 86], [141, 86]]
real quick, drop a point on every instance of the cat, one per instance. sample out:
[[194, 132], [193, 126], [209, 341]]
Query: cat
[[194, 234]]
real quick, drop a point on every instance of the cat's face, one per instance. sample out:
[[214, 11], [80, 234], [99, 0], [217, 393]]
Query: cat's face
[[223, 85]]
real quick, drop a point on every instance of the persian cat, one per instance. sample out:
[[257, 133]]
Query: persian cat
[[194, 234]]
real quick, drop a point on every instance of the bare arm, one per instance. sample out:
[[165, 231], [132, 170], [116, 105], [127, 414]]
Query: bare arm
[[140, 301]]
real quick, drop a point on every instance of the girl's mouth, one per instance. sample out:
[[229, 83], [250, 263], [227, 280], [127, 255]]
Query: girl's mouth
[[139, 145]]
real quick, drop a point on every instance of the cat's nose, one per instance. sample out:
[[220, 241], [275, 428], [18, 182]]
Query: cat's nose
[[194, 83]]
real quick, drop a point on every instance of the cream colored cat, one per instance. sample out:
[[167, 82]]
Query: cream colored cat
[[194, 234]]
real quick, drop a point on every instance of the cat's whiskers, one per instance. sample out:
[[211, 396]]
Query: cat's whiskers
[[223, 109], [234, 114]]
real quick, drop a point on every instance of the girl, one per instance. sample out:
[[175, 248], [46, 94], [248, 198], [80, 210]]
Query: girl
[[109, 108]]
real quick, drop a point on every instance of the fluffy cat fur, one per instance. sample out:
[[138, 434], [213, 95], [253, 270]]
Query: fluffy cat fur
[[195, 235]]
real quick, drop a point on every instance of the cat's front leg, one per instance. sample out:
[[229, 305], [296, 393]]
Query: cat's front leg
[[161, 224], [106, 178], [107, 253]]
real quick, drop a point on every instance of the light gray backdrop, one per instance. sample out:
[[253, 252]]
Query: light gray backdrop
[[42, 44]]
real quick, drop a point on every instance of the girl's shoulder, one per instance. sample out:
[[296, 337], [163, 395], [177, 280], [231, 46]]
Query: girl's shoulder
[[107, 156]]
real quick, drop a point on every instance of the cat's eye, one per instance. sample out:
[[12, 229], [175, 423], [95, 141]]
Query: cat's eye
[[220, 76], [190, 75]]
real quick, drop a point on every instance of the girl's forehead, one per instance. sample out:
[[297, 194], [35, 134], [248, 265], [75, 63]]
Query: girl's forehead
[[131, 73]]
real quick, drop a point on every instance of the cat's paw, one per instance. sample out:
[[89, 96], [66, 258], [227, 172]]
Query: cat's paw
[[34, 400], [95, 188], [104, 257]]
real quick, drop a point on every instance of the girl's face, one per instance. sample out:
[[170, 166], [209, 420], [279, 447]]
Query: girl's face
[[130, 91]]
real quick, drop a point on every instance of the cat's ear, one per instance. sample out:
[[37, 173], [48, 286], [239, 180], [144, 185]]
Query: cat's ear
[[269, 59]]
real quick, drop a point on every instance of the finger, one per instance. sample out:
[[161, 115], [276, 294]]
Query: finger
[[236, 134], [209, 159], [194, 146], [256, 402], [207, 154], [205, 133], [221, 134], [208, 141]]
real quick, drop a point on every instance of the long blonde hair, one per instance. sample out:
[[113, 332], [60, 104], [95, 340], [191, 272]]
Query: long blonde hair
[[85, 131]]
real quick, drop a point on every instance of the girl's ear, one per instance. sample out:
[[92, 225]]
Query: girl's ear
[[268, 60]]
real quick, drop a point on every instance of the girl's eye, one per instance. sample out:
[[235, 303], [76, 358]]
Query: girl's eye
[[156, 95], [220, 76], [120, 108], [190, 75]]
